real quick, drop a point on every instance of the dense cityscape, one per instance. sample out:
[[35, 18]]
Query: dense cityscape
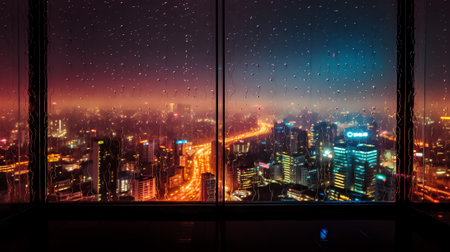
[[144, 156]]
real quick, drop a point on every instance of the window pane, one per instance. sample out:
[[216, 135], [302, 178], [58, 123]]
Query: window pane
[[432, 132], [310, 100], [131, 100], [14, 183]]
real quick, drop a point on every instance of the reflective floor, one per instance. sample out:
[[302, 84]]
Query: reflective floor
[[273, 235]]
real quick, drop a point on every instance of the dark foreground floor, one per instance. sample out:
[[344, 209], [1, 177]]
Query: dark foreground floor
[[413, 234]]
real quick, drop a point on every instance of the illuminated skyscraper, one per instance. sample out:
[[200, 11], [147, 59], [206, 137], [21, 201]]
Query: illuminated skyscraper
[[147, 151], [323, 136], [294, 170], [290, 147], [105, 157], [366, 159], [279, 140], [208, 187], [248, 178], [298, 141], [179, 151], [145, 189], [343, 166], [354, 168]]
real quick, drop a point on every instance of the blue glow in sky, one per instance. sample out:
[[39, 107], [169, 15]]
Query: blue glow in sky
[[317, 54]]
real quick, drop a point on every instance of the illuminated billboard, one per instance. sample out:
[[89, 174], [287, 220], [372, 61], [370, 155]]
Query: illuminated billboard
[[351, 134]]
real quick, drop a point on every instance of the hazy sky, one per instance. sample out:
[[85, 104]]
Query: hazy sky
[[281, 55], [324, 55], [303, 53], [131, 52]]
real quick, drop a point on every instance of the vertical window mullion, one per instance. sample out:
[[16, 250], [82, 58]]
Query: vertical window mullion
[[37, 90], [405, 99]]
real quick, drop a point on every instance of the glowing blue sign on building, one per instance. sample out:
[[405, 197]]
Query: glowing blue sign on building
[[357, 134], [181, 141]]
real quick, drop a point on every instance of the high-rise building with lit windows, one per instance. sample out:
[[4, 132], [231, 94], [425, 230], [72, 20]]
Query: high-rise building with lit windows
[[208, 187], [248, 178], [105, 158], [294, 169], [323, 137], [147, 151], [343, 166], [298, 141], [145, 189], [354, 168], [365, 162]]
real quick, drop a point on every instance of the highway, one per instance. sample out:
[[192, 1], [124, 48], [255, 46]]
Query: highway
[[190, 190]]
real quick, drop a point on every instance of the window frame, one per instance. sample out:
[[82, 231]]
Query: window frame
[[37, 47]]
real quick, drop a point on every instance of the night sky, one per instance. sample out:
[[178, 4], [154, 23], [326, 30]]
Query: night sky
[[282, 56], [286, 55], [324, 55], [129, 53], [432, 57], [13, 55]]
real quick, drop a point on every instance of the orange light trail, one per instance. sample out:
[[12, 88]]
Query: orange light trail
[[191, 190]]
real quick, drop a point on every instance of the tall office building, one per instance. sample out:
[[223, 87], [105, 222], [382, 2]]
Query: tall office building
[[366, 159], [298, 141], [145, 189], [208, 187], [354, 168], [343, 166], [249, 178], [323, 136], [288, 139], [147, 151], [105, 158], [294, 169], [179, 149], [279, 140]]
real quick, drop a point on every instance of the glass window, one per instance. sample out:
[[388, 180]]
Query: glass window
[[14, 177], [310, 100], [431, 180], [131, 94]]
